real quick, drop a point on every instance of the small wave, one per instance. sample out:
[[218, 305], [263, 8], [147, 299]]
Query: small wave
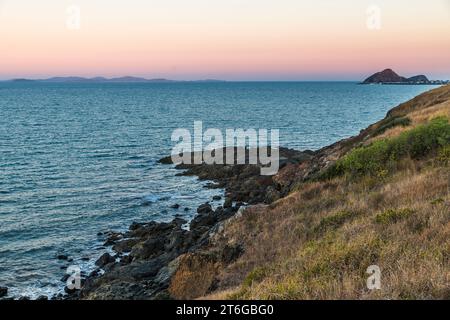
[[152, 198]]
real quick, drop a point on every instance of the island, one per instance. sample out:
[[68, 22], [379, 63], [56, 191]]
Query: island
[[389, 76]]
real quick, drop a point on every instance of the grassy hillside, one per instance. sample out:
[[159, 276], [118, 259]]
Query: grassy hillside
[[381, 198]]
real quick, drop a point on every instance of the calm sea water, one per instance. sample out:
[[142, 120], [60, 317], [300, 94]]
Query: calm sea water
[[76, 159]]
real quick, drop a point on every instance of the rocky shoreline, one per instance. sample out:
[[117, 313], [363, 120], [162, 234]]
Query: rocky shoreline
[[146, 257]]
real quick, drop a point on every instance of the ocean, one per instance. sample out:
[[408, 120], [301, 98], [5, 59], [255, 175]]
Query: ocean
[[77, 159]]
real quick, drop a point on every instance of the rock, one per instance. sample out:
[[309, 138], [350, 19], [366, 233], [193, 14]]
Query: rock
[[204, 208], [69, 291], [94, 273], [3, 291], [175, 206], [62, 257], [186, 209], [85, 258], [231, 252], [135, 226], [125, 245], [148, 249], [114, 236], [228, 203], [126, 260], [217, 198], [42, 298], [104, 259], [202, 220]]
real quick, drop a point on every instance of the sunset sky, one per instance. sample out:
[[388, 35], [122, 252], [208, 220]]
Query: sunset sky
[[224, 39]]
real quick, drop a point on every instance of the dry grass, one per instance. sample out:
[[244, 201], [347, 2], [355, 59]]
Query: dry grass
[[318, 243]]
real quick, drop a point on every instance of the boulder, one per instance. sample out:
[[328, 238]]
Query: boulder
[[3, 291], [204, 208], [104, 259]]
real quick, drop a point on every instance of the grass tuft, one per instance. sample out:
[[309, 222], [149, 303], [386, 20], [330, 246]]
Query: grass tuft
[[393, 215]]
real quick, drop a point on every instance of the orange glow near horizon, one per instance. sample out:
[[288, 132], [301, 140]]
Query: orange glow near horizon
[[234, 40]]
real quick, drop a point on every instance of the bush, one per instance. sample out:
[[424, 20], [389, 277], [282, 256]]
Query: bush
[[257, 275], [380, 158], [393, 215]]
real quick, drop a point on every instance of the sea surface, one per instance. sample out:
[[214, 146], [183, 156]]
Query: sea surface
[[77, 159]]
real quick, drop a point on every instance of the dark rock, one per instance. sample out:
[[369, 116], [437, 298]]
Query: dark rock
[[216, 198], [94, 273], [175, 206], [135, 226], [147, 249], [3, 291], [42, 298], [178, 222], [203, 219], [228, 203], [186, 209], [104, 259], [69, 291], [204, 208], [125, 245], [126, 260], [24, 298], [85, 258], [231, 252], [62, 257]]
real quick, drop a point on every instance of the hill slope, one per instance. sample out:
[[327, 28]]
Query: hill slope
[[381, 198]]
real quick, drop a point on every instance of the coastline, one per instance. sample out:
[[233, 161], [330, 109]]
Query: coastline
[[165, 261], [158, 260], [148, 254]]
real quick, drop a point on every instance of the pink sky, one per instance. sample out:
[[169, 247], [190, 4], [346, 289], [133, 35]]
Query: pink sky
[[232, 40]]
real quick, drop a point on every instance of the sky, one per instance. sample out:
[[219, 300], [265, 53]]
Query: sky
[[224, 39]]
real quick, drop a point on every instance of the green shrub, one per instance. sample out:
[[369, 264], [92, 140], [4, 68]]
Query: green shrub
[[257, 275], [335, 221], [380, 158], [393, 215], [391, 123]]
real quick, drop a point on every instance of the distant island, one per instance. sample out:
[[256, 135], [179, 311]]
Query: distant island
[[388, 76], [103, 79]]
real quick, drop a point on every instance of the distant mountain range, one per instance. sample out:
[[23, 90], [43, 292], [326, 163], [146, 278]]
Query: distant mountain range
[[103, 79], [388, 76]]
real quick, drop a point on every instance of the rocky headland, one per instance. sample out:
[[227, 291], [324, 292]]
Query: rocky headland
[[148, 254]]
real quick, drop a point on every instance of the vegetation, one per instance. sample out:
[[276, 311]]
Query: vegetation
[[381, 157], [393, 215]]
